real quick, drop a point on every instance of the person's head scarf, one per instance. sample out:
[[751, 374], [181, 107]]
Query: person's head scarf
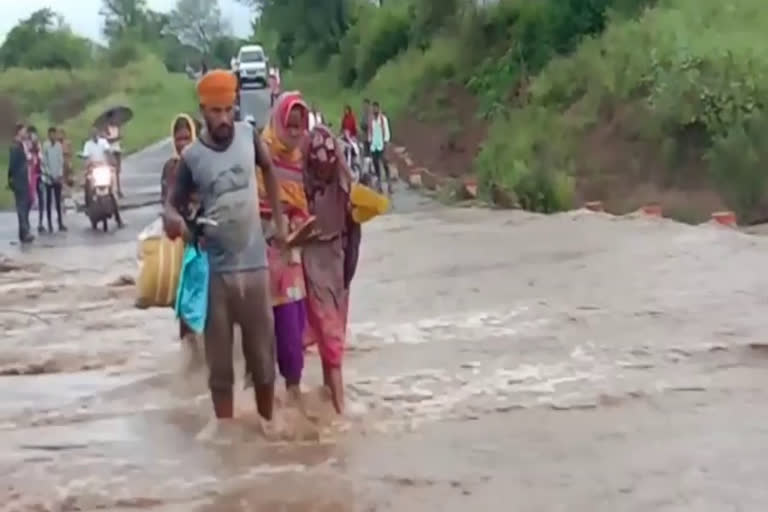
[[327, 184], [323, 158], [326, 175], [286, 152], [277, 135], [217, 88], [176, 126]]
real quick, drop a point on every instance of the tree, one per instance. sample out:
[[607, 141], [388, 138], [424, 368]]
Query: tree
[[198, 23], [222, 50], [43, 40], [121, 16], [304, 25]]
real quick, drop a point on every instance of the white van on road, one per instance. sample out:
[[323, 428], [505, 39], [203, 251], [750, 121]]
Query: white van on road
[[252, 65]]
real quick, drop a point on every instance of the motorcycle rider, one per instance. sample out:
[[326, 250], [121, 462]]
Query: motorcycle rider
[[97, 152]]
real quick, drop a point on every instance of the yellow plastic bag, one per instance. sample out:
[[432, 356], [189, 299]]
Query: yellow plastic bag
[[366, 203], [159, 267]]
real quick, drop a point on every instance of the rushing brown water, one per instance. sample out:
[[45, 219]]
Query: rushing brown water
[[497, 360]]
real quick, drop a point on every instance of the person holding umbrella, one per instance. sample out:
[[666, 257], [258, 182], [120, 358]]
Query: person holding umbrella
[[113, 137]]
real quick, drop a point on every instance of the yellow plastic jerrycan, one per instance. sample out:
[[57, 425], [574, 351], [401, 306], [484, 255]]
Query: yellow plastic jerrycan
[[160, 261], [367, 203]]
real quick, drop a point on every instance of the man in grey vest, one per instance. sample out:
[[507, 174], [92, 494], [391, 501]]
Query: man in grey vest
[[220, 169]]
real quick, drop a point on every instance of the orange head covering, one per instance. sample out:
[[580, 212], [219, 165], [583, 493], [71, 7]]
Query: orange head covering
[[217, 88]]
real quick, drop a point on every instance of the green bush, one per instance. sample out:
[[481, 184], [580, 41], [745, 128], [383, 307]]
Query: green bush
[[347, 70], [531, 34], [125, 51], [382, 37], [687, 67], [696, 65], [33, 90], [529, 154], [737, 164], [432, 17]]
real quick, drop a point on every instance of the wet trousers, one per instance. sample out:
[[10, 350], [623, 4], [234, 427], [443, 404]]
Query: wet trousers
[[241, 298], [53, 196], [40, 188], [379, 161], [21, 197]]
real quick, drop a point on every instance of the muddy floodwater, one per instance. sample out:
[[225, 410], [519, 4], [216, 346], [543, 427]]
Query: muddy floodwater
[[496, 361]]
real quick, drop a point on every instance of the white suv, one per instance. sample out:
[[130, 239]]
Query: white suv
[[252, 65]]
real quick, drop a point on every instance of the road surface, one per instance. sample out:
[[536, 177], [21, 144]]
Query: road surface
[[497, 360], [255, 102]]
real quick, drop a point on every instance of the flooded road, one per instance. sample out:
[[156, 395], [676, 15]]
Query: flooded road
[[571, 362]]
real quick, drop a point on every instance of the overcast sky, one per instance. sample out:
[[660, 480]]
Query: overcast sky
[[83, 15]]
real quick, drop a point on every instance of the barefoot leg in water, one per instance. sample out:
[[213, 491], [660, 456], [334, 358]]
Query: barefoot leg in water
[[265, 400], [333, 380]]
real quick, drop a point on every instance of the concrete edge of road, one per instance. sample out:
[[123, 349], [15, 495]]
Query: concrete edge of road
[[154, 146]]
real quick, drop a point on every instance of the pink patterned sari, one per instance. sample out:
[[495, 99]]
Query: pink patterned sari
[[330, 261]]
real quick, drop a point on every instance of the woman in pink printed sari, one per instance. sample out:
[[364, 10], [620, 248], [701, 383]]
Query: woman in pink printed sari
[[331, 259], [283, 136]]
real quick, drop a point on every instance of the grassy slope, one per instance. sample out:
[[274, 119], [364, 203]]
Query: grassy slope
[[686, 82], [145, 86], [394, 85], [680, 94]]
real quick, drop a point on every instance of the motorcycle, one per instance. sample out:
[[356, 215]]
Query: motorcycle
[[352, 156], [99, 197]]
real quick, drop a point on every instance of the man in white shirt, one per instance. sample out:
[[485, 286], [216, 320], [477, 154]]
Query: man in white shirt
[[53, 176], [378, 136], [96, 149]]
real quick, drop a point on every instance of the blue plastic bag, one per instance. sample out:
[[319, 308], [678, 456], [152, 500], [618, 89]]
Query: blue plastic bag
[[192, 295]]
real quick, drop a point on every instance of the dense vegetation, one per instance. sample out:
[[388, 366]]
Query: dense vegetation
[[51, 76], [677, 80], [686, 80]]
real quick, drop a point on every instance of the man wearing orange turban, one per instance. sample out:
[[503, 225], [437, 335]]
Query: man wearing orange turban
[[220, 168]]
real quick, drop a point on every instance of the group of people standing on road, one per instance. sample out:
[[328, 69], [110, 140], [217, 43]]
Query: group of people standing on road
[[37, 172], [374, 133], [282, 246]]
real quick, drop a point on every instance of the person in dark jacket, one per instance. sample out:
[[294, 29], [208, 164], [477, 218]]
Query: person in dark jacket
[[365, 124], [18, 182]]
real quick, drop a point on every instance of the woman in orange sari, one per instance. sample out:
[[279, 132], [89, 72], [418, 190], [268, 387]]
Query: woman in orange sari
[[284, 137], [330, 260]]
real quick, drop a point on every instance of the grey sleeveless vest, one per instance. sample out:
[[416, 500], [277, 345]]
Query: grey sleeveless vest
[[226, 182]]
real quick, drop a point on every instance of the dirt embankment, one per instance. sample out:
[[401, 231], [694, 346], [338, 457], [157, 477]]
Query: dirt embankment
[[443, 133], [625, 172]]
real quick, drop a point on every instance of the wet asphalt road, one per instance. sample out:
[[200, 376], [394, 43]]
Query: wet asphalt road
[[255, 102], [498, 360]]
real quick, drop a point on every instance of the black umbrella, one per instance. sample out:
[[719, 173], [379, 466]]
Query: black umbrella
[[117, 115]]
